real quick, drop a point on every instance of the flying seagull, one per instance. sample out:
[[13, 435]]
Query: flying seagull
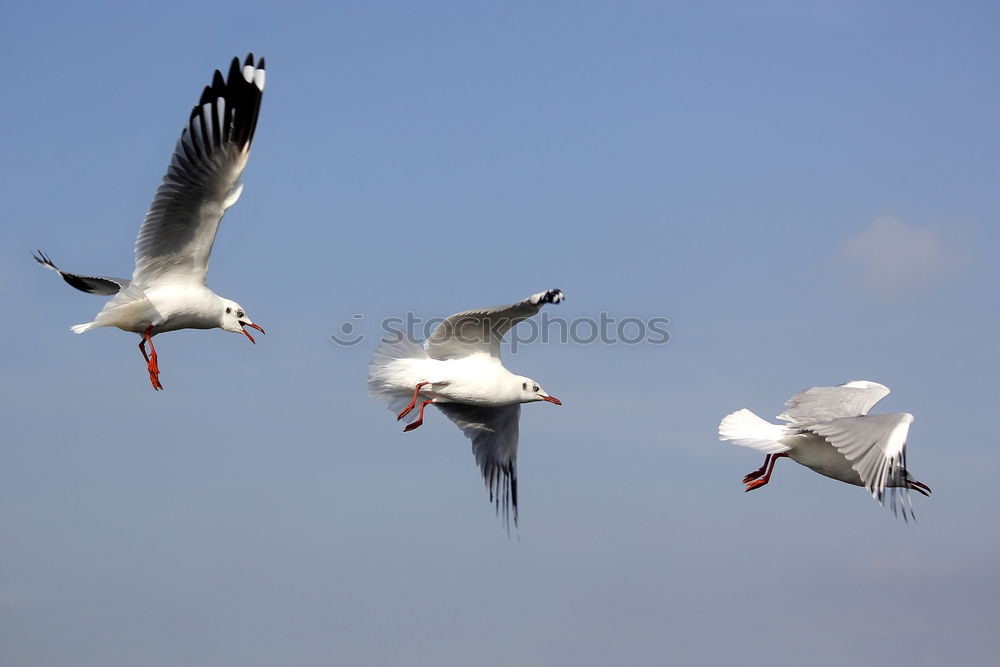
[[458, 369], [167, 290], [829, 430]]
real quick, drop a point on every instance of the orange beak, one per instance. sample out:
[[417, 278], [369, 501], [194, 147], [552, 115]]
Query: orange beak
[[247, 333], [552, 399]]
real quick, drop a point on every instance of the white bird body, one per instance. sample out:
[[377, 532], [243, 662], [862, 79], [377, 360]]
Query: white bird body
[[163, 307], [820, 456], [167, 291], [829, 431], [478, 379], [458, 369]]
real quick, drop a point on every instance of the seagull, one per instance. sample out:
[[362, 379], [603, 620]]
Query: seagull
[[167, 290], [829, 430], [458, 369]]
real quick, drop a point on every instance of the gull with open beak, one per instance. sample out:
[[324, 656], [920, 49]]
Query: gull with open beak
[[458, 370], [167, 290]]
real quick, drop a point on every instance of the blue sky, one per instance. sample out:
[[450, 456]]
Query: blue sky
[[807, 190]]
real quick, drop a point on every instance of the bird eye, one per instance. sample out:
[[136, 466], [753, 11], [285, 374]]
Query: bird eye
[[228, 310], [524, 385], [536, 387], [240, 313]]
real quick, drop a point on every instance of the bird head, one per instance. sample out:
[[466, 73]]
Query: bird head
[[235, 319], [531, 391]]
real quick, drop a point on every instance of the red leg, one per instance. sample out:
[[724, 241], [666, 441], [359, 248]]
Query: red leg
[[758, 472], [420, 417], [413, 401], [757, 483], [151, 365]]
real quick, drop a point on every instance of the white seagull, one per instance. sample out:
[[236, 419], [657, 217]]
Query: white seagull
[[167, 290], [458, 369], [829, 430]]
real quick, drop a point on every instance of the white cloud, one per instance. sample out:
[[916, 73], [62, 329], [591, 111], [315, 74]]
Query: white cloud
[[895, 257]]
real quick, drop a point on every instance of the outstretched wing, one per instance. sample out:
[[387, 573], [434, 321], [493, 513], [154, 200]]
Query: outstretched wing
[[822, 404], [203, 179], [482, 330], [876, 447], [493, 432], [90, 284]]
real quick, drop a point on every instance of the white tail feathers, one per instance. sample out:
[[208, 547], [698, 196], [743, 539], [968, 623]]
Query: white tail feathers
[[392, 347], [391, 377], [80, 328], [746, 429]]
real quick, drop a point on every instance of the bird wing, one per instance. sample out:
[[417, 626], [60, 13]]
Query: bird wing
[[482, 330], [494, 433], [876, 447], [822, 404], [203, 179], [90, 284]]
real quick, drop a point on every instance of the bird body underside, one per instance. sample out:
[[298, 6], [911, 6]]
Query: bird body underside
[[163, 307], [820, 456], [815, 453], [478, 380]]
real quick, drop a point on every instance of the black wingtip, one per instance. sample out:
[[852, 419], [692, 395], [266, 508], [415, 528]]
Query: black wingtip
[[206, 97], [235, 70], [249, 61], [513, 495], [42, 259], [554, 295]]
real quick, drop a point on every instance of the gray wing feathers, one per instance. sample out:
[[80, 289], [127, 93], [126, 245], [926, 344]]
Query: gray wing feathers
[[202, 181], [822, 404], [494, 434], [90, 284], [482, 330], [874, 444]]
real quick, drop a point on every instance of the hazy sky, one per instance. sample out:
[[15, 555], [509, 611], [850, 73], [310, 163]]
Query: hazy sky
[[807, 190]]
